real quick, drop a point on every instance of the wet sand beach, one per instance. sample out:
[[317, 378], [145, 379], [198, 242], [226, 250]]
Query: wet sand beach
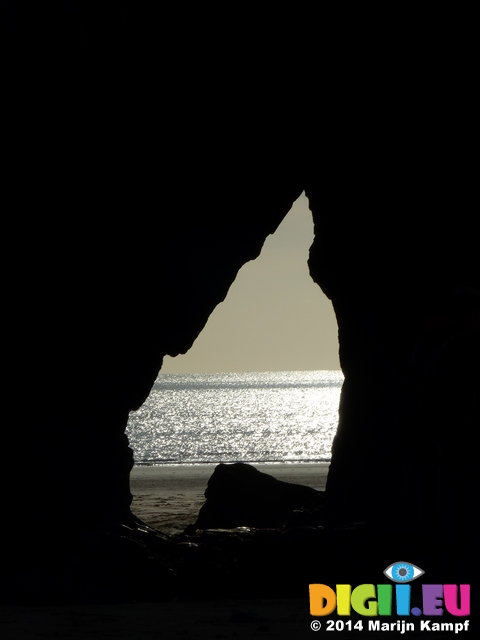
[[168, 498]]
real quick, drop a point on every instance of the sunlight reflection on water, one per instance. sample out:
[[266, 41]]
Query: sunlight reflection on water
[[237, 417]]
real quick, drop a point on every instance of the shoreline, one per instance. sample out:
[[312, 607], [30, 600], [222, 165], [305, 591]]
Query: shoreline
[[169, 497]]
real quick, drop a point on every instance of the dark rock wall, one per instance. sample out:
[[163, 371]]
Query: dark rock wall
[[148, 155], [146, 161], [407, 302]]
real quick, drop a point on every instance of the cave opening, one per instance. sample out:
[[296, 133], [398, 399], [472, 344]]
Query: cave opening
[[397, 240], [265, 366]]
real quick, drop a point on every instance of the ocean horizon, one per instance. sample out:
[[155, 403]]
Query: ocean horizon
[[286, 417]]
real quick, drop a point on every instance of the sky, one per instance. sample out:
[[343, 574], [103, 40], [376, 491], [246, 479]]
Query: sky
[[274, 318]]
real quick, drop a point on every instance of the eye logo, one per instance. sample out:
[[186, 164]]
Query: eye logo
[[403, 572]]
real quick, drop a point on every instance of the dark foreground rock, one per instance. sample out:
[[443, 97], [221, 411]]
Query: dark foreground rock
[[238, 495], [228, 556]]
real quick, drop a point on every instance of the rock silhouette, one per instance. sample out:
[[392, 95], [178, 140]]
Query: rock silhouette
[[148, 154], [238, 495]]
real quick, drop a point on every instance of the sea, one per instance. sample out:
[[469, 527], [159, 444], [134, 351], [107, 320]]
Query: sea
[[268, 417]]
